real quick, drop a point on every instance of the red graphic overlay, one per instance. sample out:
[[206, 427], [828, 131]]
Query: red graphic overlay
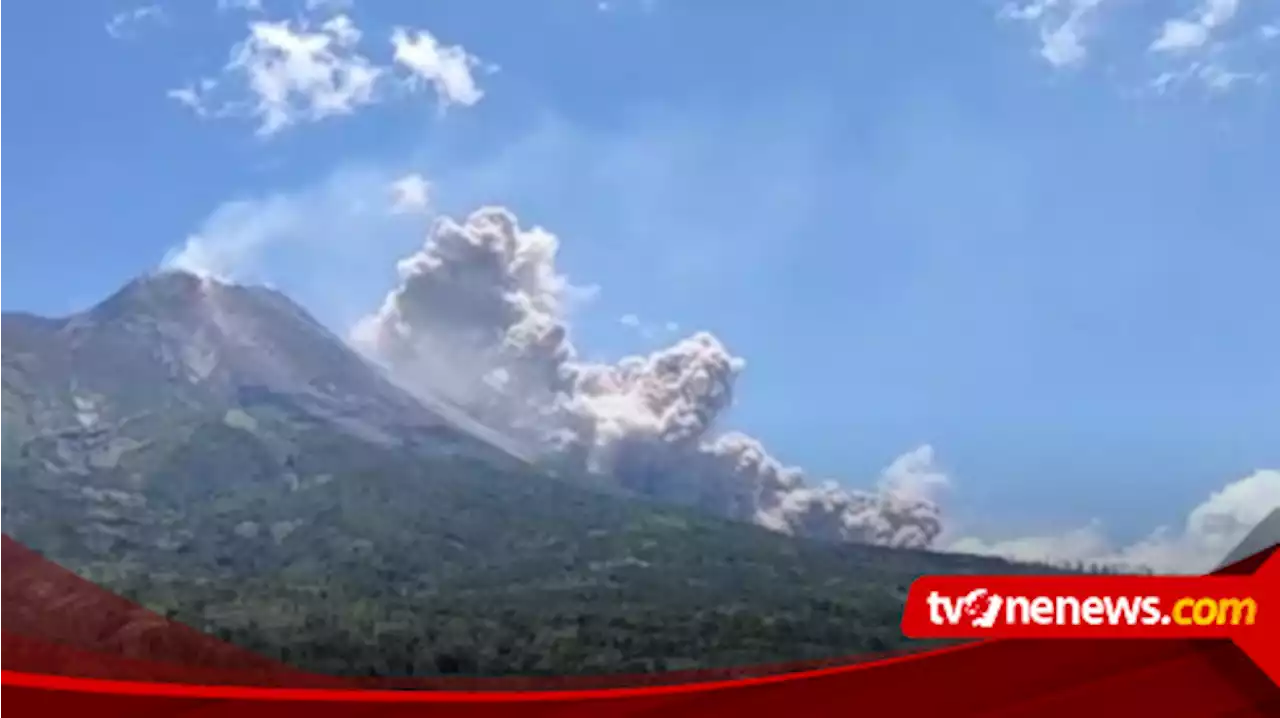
[[1193, 676], [57, 622]]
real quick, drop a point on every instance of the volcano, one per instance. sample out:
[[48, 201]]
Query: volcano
[[213, 453]]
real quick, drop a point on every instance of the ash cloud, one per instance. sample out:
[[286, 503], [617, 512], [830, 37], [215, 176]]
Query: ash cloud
[[481, 317]]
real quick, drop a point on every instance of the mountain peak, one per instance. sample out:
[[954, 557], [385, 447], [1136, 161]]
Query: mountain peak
[[169, 290], [172, 341], [207, 340]]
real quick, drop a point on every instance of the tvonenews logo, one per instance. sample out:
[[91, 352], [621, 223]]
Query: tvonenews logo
[[981, 608], [1089, 606]]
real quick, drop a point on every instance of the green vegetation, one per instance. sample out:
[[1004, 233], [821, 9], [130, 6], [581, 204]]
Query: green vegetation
[[312, 546]]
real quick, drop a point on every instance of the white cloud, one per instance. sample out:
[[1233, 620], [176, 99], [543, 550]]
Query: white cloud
[[1198, 52], [342, 30], [290, 72], [192, 95], [1210, 531], [1269, 32], [1063, 26], [410, 194], [445, 67], [1185, 49], [124, 23], [629, 320], [1182, 34]]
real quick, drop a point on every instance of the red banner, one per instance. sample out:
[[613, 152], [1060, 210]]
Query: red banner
[[1195, 669]]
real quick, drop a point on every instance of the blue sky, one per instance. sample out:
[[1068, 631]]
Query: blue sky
[[1045, 244]]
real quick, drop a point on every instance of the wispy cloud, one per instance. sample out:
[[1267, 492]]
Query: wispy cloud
[[1198, 49], [123, 24], [1211, 75], [291, 72], [410, 194], [447, 68], [1166, 53], [1187, 33], [1063, 27]]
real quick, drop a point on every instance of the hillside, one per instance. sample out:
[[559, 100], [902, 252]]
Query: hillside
[[214, 454]]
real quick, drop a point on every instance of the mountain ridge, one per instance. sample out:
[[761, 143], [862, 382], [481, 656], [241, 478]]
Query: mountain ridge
[[212, 339]]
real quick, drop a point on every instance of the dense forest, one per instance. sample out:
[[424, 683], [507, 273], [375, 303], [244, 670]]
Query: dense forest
[[338, 557]]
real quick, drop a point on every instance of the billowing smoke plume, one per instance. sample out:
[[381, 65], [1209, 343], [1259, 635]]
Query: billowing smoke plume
[[480, 317]]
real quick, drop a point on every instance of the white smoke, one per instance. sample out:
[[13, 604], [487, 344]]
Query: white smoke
[[480, 316]]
